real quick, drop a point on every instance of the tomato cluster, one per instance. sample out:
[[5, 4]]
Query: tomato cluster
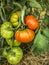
[[27, 35], [14, 38]]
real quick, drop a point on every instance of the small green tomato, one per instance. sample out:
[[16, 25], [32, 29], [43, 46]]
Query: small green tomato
[[6, 31]]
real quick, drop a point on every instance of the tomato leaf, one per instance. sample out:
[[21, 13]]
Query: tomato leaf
[[40, 43], [34, 3], [46, 32], [46, 20], [22, 2]]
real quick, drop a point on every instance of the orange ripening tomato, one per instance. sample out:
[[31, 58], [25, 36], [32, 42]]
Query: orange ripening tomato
[[31, 22], [24, 36]]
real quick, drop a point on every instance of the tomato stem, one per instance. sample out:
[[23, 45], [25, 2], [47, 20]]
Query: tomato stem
[[23, 14], [1, 15], [2, 10]]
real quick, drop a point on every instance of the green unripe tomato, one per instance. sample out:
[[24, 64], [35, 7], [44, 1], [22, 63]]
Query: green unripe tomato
[[15, 24], [18, 13], [13, 42], [15, 55], [9, 41], [14, 19], [16, 43], [5, 30]]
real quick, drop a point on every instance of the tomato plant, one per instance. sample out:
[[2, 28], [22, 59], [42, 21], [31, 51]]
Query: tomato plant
[[5, 30], [20, 22], [14, 55], [31, 22], [24, 36]]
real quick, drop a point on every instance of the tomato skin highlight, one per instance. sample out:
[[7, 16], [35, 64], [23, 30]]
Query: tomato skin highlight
[[24, 36], [31, 22]]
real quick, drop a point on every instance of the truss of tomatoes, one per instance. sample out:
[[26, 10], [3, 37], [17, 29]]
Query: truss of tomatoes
[[27, 35], [15, 54]]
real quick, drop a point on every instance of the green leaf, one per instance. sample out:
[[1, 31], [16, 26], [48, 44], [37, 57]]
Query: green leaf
[[46, 20], [22, 2], [46, 32], [35, 41], [40, 43], [34, 3]]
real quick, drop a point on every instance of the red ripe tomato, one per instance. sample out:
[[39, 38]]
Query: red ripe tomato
[[24, 36], [31, 22]]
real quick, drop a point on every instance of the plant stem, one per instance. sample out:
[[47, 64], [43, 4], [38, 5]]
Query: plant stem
[[1, 15], [23, 14]]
